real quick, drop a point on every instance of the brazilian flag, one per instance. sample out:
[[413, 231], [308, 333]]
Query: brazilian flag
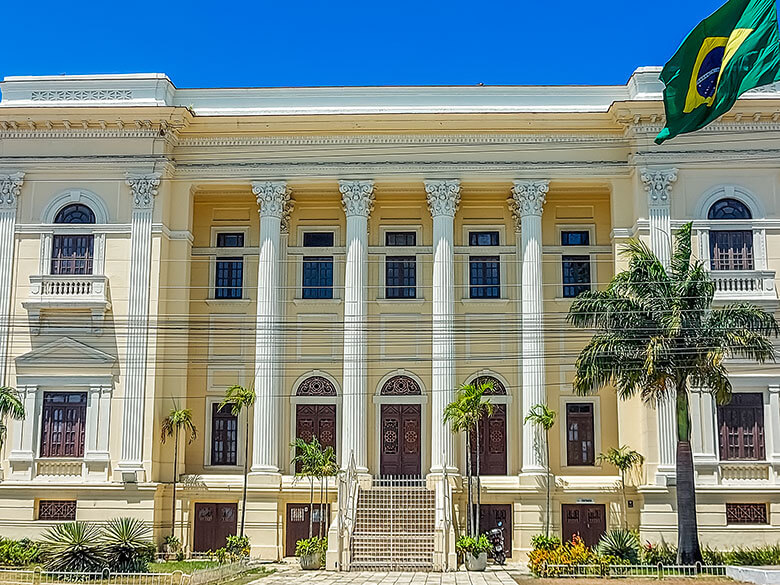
[[735, 49]]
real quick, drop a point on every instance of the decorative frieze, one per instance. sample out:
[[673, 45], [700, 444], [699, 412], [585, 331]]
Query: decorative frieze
[[357, 197], [443, 197]]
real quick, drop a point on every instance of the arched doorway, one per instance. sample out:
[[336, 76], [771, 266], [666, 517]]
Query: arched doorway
[[400, 444], [315, 411], [492, 432]]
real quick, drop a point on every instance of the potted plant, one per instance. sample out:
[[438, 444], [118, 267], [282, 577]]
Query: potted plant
[[310, 552], [474, 551]]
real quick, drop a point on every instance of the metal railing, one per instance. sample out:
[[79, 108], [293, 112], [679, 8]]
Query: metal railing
[[658, 571], [37, 576]]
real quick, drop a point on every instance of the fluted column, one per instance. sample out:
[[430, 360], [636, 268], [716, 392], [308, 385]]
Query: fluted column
[[10, 188], [658, 185], [143, 189], [273, 200], [529, 197], [358, 199], [443, 200]]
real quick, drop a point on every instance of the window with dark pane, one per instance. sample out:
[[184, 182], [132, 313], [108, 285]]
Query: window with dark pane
[[73, 253], [741, 427], [730, 249], [224, 435], [484, 277], [401, 277], [63, 421], [580, 449], [400, 239], [57, 510], [318, 239], [575, 238], [318, 270], [483, 238], [576, 275], [75, 213], [229, 275]]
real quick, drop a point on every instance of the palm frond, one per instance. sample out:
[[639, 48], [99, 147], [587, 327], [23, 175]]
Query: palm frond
[[238, 398]]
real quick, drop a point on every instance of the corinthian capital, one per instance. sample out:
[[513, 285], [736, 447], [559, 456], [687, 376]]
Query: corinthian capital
[[443, 196], [10, 188], [144, 189], [357, 197], [273, 199], [658, 184], [529, 197]]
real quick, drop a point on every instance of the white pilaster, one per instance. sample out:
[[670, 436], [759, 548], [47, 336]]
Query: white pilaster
[[358, 199], [704, 438], [23, 441], [773, 447], [143, 189], [98, 421], [529, 197], [658, 185], [273, 200], [10, 188], [443, 200]]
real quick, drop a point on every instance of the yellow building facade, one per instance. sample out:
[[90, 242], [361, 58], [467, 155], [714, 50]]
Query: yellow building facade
[[354, 255]]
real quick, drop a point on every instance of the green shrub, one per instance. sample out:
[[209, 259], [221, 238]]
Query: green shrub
[[19, 553], [172, 544], [652, 554], [568, 553], [474, 545], [313, 545], [127, 545], [238, 547], [620, 544], [73, 547], [758, 555], [542, 542]]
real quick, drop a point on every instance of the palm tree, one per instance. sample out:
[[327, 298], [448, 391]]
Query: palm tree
[[11, 405], [240, 398], [178, 420], [327, 468], [544, 418], [656, 335], [625, 459], [463, 414], [308, 460]]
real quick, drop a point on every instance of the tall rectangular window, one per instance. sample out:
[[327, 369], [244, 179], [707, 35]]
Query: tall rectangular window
[[224, 436], [731, 250], [484, 271], [229, 275], [63, 424], [72, 254], [576, 275], [401, 271], [318, 270], [579, 434], [741, 427]]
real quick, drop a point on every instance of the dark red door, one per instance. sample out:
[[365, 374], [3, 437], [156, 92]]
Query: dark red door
[[213, 524], [489, 517], [298, 524], [492, 443], [316, 420], [401, 454], [587, 520]]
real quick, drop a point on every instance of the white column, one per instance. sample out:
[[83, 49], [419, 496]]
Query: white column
[[529, 197], [658, 185], [144, 190], [273, 200], [443, 200], [10, 188], [357, 198]]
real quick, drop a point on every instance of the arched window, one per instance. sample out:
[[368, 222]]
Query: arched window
[[315, 411], [497, 389], [492, 434], [730, 249], [73, 253], [400, 386]]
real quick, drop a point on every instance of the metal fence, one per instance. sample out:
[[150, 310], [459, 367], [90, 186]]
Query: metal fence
[[658, 571], [37, 576]]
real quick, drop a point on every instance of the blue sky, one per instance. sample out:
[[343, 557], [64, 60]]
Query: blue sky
[[298, 43]]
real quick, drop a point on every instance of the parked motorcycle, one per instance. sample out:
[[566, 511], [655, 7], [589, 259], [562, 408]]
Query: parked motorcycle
[[496, 538]]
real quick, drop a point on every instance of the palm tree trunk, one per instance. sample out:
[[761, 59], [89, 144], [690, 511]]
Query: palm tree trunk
[[479, 484], [246, 474], [175, 474], [469, 511], [547, 464], [319, 531], [688, 550], [625, 501], [311, 506]]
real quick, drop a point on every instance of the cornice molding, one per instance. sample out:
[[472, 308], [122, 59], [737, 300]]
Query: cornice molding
[[357, 197]]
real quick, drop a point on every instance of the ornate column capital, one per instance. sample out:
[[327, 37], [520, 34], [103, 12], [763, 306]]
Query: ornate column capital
[[658, 184], [273, 199], [144, 189], [529, 197], [443, 196], [10, 188], [357, 197]]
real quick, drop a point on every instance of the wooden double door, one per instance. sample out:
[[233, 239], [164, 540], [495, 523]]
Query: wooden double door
[[214, 522], [401, 442], [316, 420], [589, 521], [492, 443]]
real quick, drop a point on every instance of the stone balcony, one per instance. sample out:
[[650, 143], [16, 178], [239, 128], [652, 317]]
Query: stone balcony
[[71, 292], [756, 286]]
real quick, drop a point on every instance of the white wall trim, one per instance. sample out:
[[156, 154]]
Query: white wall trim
[[76, 195]]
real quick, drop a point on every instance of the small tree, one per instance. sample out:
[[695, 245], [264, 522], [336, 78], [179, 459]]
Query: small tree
[[240, 398], [463, 414], [308, 461], [625, 459], [178, 420], [327, 468], [544, 418], [10, 406]]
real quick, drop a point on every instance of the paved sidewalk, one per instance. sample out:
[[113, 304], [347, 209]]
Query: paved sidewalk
[[289, 575]]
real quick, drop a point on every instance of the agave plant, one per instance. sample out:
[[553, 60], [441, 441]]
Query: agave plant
[[73, 547], [620, 543], [128, 544]]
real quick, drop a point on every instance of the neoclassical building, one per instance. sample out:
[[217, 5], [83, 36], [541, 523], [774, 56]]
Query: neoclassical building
[[355, 255]]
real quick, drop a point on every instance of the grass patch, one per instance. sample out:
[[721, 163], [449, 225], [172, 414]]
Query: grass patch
[[184, 566]]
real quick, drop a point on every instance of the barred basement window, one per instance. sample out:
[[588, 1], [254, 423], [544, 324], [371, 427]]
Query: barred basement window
[[746, 514], [57, 510]]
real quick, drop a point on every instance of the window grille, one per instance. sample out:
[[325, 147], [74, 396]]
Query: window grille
[[741, 427], [57, 510], [316, 386], [400, 386], [224, 435], [746, 514]]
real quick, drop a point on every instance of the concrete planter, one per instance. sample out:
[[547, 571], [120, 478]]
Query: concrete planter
[[311, 562], [476, 563]]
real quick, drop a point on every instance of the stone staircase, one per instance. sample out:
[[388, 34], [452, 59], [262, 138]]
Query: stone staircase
[[394, 527]]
